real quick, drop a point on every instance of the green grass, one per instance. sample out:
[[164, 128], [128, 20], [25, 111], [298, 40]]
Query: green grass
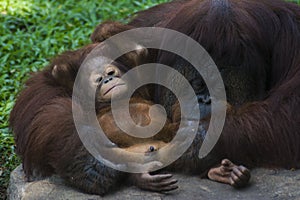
[[34, 31]]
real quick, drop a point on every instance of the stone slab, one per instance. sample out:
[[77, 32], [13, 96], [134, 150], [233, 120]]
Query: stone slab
[[265, 184]]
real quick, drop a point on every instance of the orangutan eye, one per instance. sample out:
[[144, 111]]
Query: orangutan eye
[[111, 72]]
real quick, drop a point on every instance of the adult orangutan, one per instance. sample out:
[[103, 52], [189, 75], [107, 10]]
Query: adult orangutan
[[255, 45]]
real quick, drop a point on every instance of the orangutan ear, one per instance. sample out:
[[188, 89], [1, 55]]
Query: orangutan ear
[[62, 75]]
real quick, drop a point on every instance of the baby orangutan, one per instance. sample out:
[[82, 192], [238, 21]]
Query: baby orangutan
[[111, 81]]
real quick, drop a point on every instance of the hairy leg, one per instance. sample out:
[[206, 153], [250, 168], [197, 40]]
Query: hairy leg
[[229, 173]]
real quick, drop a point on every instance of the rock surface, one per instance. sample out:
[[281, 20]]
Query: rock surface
[[265, 184]]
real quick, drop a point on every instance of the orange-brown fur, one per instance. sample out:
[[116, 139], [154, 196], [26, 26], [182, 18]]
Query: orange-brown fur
[[139, 111]]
